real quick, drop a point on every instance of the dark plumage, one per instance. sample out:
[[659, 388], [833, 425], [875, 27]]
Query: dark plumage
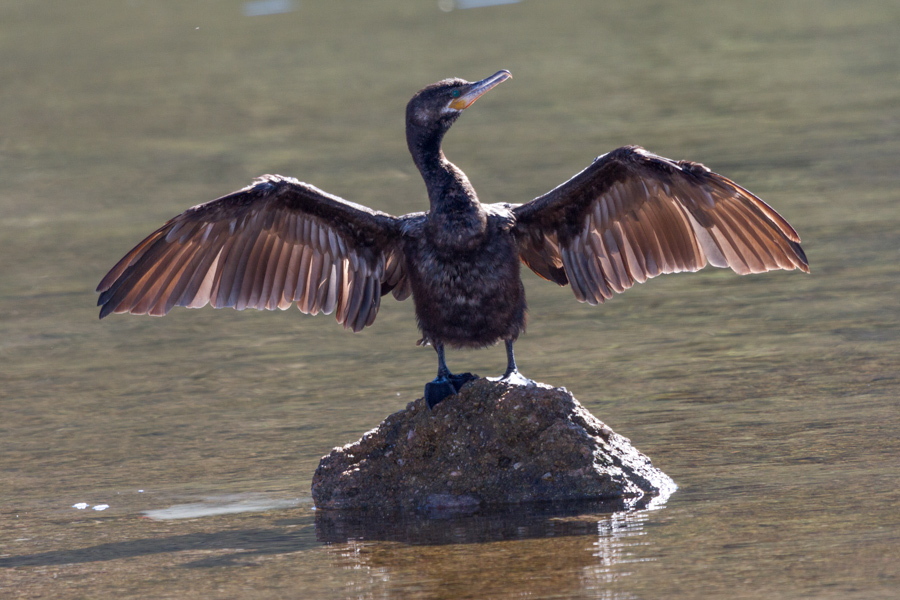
[[629, 216]]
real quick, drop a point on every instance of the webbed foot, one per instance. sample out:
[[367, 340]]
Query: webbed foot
[[437, 390], [461, 379], [445, 386], [516, 378]]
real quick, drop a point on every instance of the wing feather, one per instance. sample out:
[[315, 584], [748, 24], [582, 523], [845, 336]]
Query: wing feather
[[334, 283], [171, 281], [316, 262], [255, 272], [272, 244], [276, 284], [198, 292], [234, 264], [632, 215]]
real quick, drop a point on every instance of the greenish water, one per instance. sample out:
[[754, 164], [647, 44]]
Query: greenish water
[[771, 400]]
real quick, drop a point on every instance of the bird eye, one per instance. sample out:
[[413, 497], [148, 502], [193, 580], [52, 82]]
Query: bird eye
[[455, 93]]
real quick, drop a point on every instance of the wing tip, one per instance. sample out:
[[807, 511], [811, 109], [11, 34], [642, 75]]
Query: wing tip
[[803, 265], [105, 310]]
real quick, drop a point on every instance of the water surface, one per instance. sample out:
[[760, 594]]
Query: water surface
[[771, 400]]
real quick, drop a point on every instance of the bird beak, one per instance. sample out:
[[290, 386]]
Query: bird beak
[[478, 89]]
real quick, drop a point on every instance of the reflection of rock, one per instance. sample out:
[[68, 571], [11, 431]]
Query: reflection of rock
[[491, 444], [535, 551], [487, 525]]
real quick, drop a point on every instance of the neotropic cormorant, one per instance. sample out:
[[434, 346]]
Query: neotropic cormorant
[[629, 216]]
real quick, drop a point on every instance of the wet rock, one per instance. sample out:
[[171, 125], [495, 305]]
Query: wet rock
[[491, 444]]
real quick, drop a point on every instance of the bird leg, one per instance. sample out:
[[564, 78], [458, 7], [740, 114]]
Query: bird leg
[[443, 370], [512, 371], [511, 368], [446, 383]]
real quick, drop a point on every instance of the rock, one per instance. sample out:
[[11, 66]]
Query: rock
[[491, 444]]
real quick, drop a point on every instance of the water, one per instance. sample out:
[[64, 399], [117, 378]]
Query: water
[[771, 400]]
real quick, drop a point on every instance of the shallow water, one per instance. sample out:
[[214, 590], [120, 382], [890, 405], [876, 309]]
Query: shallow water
[[772, 400]]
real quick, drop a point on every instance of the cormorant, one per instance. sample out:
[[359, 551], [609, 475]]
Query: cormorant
[[629, 216]]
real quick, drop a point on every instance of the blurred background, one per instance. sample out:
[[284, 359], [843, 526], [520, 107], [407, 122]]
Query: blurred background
[[772, 400]]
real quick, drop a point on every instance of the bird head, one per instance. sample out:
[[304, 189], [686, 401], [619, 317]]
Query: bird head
[[434, 108]]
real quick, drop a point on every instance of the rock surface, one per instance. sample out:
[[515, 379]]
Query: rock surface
[[491, 444]]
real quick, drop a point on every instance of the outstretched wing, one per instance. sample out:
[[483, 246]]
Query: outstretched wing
[[271, 244], [632, 215]]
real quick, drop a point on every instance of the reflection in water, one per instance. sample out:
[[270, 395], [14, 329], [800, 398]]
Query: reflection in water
[[552, 549], [613, 549], [85, 506], [219, 547], [220, 505], [538, 551], [771, 400], [448, 5], [530, 521], [259, 8]]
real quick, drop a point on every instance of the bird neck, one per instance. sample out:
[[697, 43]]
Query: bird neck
[[449, 189]]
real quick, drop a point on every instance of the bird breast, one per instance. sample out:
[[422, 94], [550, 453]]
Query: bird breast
[[465, 282], [454, 232]]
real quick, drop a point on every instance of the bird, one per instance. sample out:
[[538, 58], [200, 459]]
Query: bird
[[629, 216]]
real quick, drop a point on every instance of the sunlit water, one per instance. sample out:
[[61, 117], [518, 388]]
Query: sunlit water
[[771, 400]]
